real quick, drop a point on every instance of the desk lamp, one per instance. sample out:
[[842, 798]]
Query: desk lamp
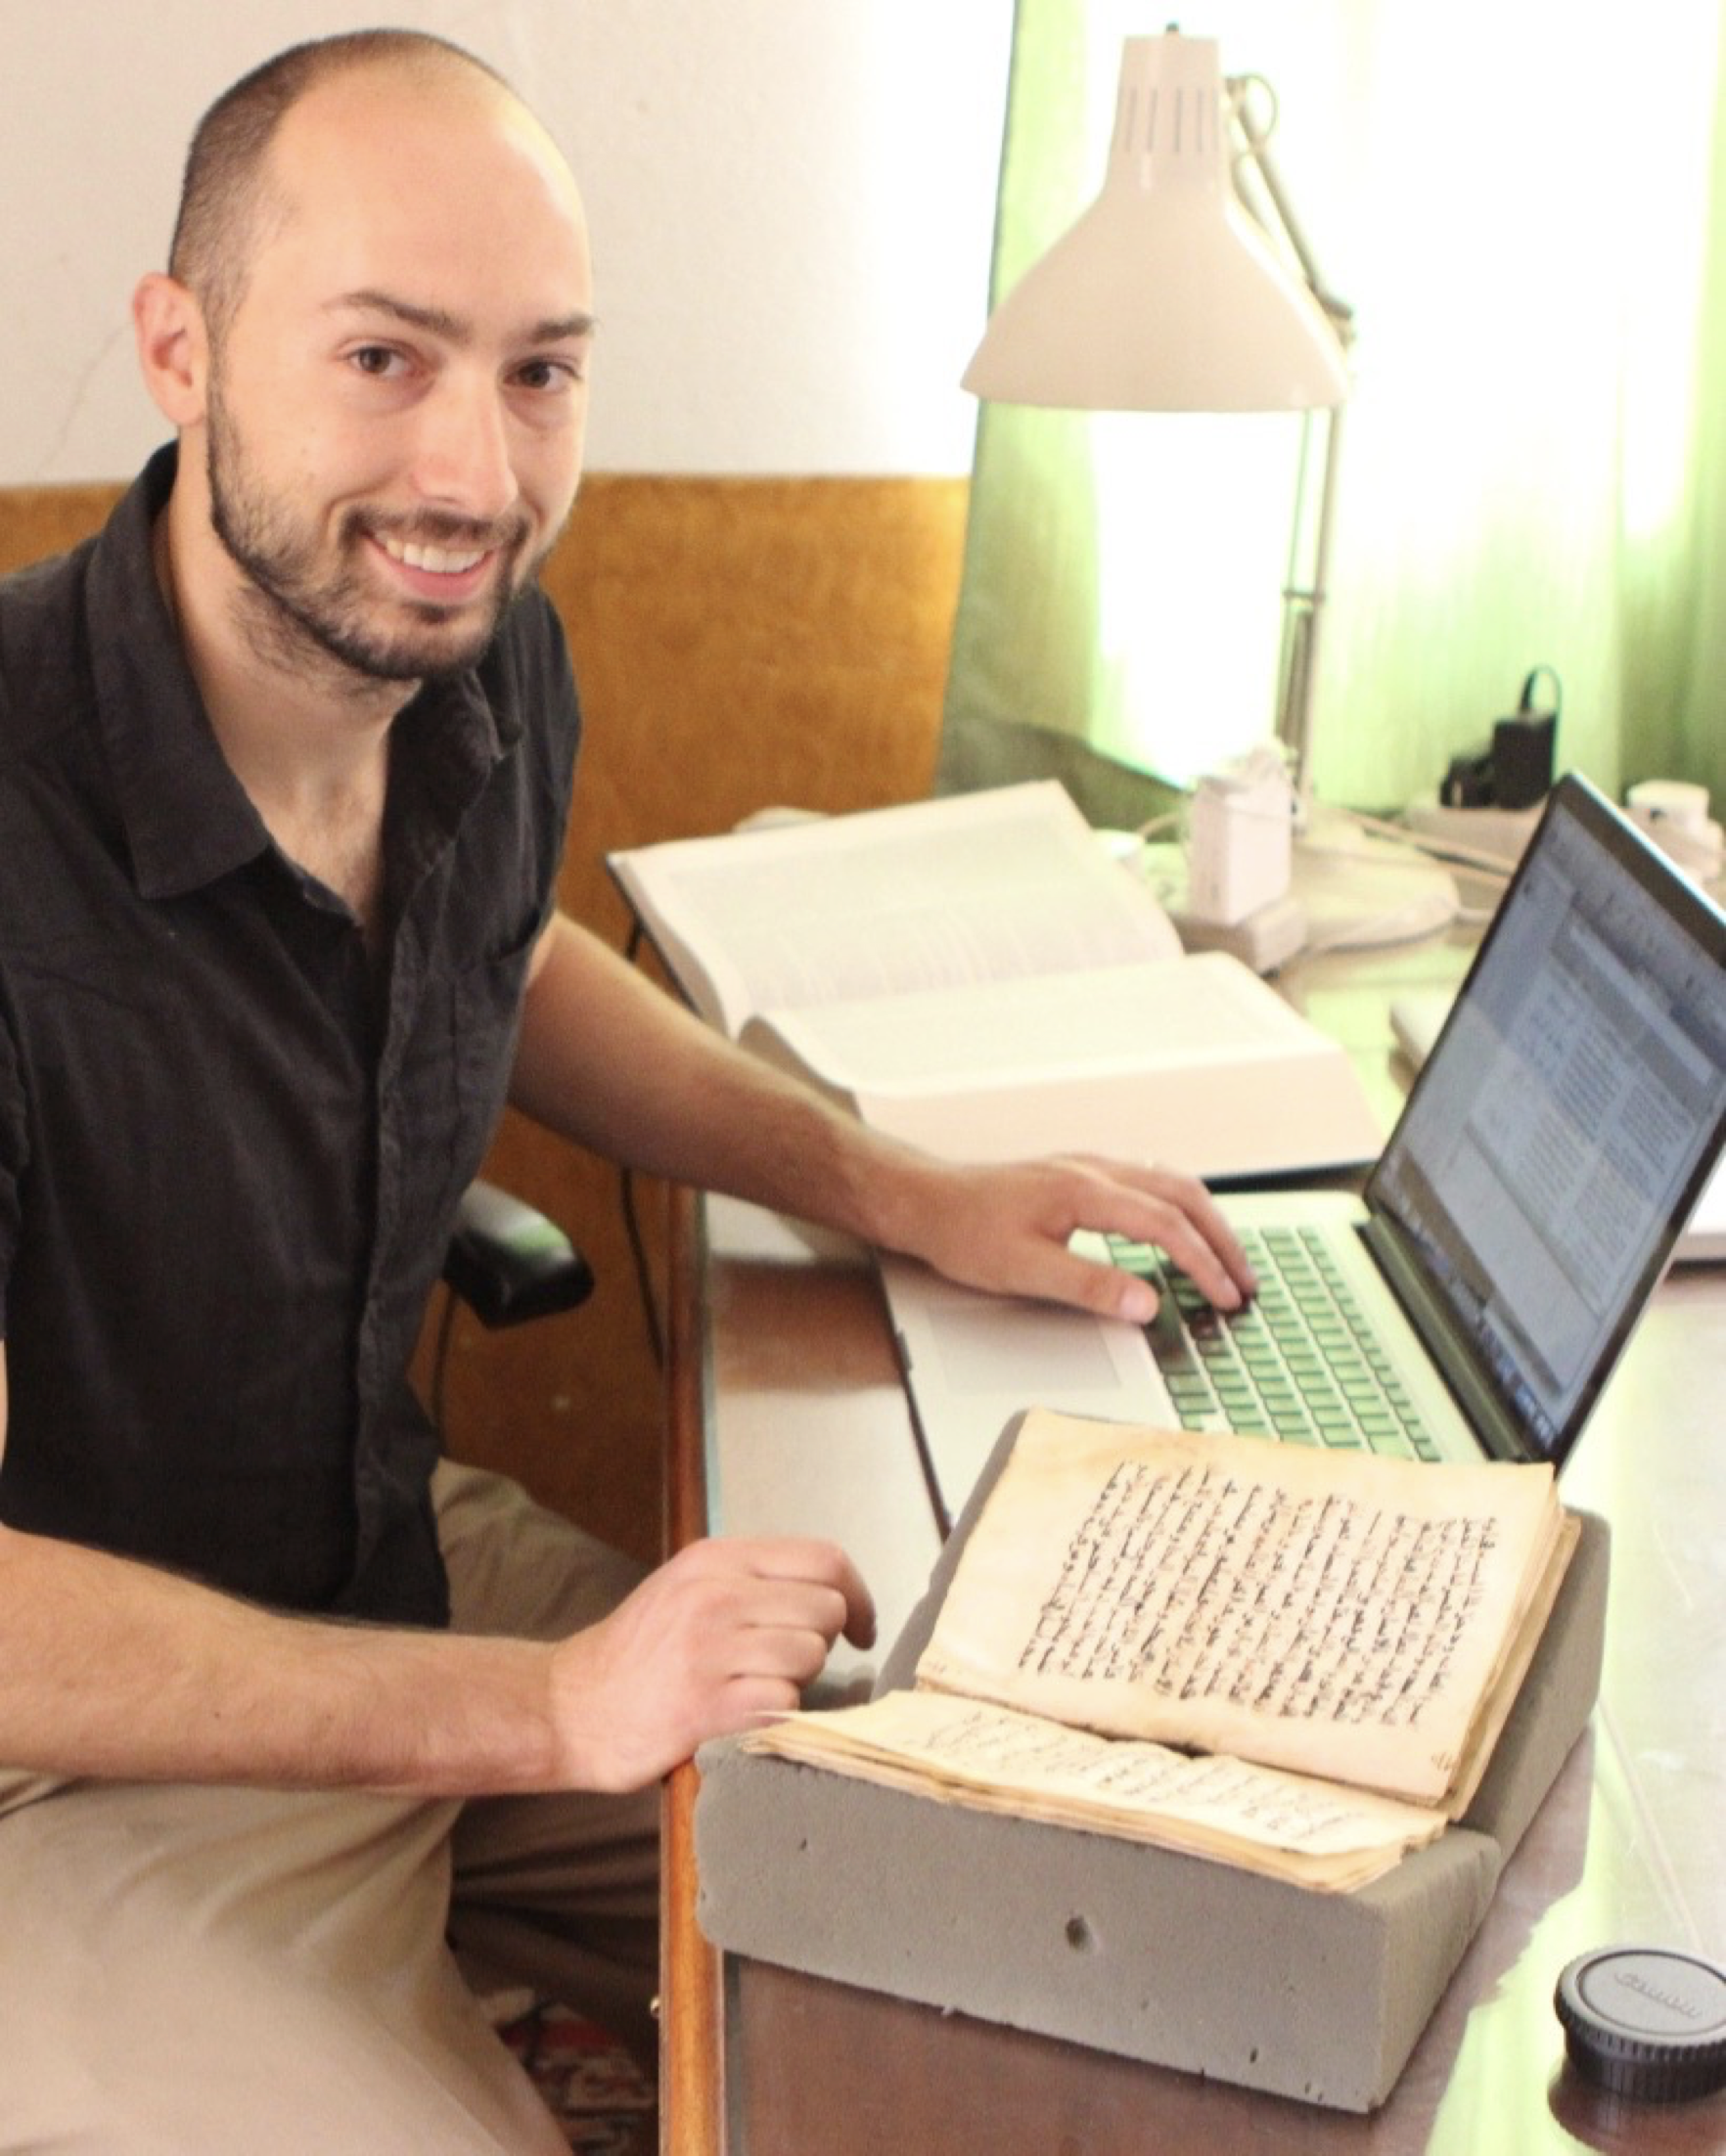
[[1175, 293]]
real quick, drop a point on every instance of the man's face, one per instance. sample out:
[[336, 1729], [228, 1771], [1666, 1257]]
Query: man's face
[[396, 410]]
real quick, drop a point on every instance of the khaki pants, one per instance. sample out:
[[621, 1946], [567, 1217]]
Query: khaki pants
[[204, 1972]]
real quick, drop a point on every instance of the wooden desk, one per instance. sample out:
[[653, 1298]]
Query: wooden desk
[[788, 1416]]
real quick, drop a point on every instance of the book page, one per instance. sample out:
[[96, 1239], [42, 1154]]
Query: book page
[[1317, 1834], [1120, 1018], [996, 885], [1340, 1616], [1201, 1066]]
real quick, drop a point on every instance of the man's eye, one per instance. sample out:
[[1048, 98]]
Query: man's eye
[[375, 359], [549, 373]]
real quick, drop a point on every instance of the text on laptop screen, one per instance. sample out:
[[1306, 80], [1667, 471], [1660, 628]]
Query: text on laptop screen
[[1543, 1162]]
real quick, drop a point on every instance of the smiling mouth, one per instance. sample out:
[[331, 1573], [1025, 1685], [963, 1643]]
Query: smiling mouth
[[437, 561]]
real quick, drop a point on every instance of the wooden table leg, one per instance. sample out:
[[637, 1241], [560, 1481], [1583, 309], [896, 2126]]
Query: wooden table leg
[[692, 2044]]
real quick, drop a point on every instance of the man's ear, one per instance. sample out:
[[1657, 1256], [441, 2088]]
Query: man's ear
[[173, 348]]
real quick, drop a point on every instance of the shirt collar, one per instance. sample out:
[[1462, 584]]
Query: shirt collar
[[187, 818]]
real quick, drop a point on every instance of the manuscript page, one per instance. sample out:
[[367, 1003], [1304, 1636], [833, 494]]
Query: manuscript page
[[1341, 1616], [1288, 1826]]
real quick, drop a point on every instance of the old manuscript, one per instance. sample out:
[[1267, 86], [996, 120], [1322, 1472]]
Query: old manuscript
[[1295, 1660]]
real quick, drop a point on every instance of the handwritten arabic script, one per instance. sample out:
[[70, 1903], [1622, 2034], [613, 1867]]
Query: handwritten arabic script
[[1322, 1608]]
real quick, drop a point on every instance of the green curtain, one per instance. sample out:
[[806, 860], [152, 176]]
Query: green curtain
[[1530, 218], [1673, 578]]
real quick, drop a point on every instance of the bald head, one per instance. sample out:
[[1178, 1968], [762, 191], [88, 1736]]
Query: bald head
[[374, 346], [230, 201]]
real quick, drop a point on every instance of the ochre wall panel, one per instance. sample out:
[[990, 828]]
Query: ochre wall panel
[[36, 521], [741, 642]]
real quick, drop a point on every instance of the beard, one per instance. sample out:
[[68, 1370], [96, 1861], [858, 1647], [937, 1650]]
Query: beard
[[297, 605]]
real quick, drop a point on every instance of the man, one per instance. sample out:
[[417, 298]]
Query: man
[[284, 760]]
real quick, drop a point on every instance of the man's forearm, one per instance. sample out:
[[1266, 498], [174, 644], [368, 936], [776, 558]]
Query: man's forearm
[[109, 1669], [609, 1060], [112, 1669]]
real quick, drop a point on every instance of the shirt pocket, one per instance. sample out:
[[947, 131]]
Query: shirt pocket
[[438, 1118]]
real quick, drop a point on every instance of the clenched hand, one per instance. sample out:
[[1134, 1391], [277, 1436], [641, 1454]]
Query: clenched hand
[[725, 1634]]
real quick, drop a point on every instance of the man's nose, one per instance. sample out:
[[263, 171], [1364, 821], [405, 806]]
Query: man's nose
[[463, 462]]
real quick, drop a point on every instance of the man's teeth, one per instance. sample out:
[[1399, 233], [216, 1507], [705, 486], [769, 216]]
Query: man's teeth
[[439, 560]]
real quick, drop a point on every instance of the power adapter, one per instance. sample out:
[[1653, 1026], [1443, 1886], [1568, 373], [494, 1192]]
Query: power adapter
[[1516, 772], [1263, 940], [1240, 833]]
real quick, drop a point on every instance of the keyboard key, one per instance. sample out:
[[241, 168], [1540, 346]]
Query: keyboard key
[[1298, 1363]]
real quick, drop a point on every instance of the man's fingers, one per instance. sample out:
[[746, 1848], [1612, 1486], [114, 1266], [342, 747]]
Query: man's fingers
[[1177, 1214], [1155, 1207], [723, 1632], [1207, 1250], [749, 1701], [776, 1629], [821, 1582]]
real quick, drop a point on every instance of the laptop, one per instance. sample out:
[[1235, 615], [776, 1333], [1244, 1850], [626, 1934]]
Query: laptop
[[1555, 1144], [1417, 1019]]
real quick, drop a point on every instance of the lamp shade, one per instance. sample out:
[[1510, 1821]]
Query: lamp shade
[[1166, 295]]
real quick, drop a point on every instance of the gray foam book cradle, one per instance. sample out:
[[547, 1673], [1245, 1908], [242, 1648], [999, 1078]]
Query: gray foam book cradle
[[1131, 1950]]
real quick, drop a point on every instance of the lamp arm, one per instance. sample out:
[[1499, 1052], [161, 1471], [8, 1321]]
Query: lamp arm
[[1255, 135], [1303, 599], [1304, 589]]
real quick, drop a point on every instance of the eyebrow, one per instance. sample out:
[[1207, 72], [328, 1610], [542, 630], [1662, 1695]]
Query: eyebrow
[[439, 322]]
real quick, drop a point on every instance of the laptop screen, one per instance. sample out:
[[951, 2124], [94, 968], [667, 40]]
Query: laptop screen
[[1569, 1114]]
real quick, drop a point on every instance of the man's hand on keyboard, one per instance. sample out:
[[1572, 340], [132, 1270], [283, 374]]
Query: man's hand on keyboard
[[1007, 1229]]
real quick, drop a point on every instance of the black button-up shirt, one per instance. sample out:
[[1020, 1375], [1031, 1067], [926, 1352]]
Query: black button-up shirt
[[231, 1142]]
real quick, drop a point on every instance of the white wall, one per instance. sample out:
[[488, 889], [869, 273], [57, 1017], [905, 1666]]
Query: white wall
[[791, 202]]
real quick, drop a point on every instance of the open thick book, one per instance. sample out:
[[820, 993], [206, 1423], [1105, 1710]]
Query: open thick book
[[1293, 1661], [977, 976]]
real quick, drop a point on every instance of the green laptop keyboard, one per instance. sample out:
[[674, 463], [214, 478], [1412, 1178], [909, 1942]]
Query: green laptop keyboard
[[1299, 1362]]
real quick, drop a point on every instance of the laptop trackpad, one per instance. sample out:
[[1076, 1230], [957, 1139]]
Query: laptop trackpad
[[1034, 1353]]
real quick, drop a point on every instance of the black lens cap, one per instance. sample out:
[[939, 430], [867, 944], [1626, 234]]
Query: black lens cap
[[1645, 2022]]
